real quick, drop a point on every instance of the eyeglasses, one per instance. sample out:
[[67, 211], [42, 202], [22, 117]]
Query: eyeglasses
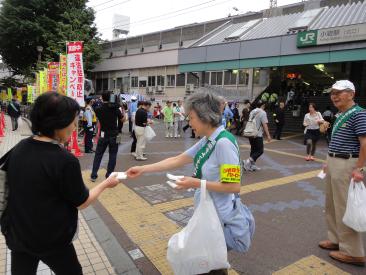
[[338, 92]]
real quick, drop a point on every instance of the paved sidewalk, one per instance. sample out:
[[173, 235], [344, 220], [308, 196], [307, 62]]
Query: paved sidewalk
[[91, 256]]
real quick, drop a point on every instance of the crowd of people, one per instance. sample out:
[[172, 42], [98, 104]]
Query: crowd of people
[[54, 187]]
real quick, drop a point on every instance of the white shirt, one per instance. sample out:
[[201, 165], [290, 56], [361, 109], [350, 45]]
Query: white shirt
[[312, 121]]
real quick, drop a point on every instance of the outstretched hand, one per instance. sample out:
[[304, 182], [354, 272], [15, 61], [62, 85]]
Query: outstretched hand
[[187, 183], [134, 172]]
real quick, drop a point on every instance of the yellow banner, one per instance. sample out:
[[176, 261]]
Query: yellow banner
[[230, 173], [10, 94], [41, 81], [63, 74], [4, 96], [45, 80], [37, 92], [19, 94], [30, 91]]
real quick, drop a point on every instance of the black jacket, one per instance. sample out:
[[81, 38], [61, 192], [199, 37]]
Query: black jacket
[[279, 115]]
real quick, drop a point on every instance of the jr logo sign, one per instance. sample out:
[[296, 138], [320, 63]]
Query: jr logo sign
[[305, 39]]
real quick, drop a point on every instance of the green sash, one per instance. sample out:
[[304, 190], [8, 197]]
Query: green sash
[[343, 118], [205, 152]]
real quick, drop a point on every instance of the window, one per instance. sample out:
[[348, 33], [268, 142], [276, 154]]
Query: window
[[151, 81], [230, 77], [193, 78], [243, 77], [170, 79], [119, 83], [160, 80], [105, 84], [256, 76], [181, 79], [206, 78], [142, 83], [216, 78], [134, 82]]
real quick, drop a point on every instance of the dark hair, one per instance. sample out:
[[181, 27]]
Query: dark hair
[[260, 103], [147, 103], [106, 96], [314, 105], [247, 101], [52, 111], [140, 103]]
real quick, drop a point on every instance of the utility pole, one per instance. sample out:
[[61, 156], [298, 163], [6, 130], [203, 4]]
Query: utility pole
[[272, 7]]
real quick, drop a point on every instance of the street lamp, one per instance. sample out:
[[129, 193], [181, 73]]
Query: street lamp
[[39, 50]]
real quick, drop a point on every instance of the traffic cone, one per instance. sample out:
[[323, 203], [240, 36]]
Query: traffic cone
[[1, 128], [77, 153]]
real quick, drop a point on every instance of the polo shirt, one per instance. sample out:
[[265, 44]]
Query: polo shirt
[[345, 139], [108, 116], [225, 152]]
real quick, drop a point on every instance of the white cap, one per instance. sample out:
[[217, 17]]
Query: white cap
[[343, 85], [133, 98]]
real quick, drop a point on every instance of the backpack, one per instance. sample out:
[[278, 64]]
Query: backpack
[[251, 129]]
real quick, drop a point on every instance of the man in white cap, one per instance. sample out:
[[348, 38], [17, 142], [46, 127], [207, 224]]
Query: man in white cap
[[346, 160], [131, 113]]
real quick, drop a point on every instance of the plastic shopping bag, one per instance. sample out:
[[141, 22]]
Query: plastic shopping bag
[[149, 133], [200, 247], [355, 215]]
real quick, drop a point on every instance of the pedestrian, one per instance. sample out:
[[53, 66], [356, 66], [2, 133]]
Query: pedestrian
[[290, 98], [236, 119], [109, 116], [256, 143], [41, 217], [168, 119], [279, 118], [312, 120], [133, 134], [179, 117], [132, 108], [244, 115], [14, 112], [205, 118], [141, 121], [88, 127], [346, 160], [328, 116]]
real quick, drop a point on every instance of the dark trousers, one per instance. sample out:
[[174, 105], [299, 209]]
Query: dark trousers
[[133, 145], [61, 262], [256, 147], [88, 138], [129, 124], [102, 145], [14, 123], [278, 132]]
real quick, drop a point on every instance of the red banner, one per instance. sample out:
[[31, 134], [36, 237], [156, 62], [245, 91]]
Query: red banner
[[75, 72]]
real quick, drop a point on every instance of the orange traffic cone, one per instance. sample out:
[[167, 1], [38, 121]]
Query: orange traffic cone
[[1, 128], [77, 153]]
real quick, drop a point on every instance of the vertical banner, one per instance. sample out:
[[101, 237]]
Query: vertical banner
[[37, 90], [4, 96], [10, 94], [19, 94], [53, 76], [75, 72], [63, 74], [41, 81], [30, 90], [45, 80]]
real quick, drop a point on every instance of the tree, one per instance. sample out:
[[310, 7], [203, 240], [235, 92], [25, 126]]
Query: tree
[[26, 24]]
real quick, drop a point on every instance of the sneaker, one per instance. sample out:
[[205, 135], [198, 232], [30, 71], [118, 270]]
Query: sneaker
[[246, 165], [93, 179], [171, 136], [178, 136], [166, 136], [133, 154], [254, 167], [141, 159]]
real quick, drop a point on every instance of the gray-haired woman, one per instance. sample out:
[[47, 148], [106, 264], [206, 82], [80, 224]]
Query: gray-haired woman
[[205, 116]]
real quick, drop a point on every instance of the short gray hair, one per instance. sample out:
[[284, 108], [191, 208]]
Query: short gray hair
[[207, 107]]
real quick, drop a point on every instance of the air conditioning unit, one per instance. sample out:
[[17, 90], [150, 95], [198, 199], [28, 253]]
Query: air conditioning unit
[[149, 90], [159, 88]]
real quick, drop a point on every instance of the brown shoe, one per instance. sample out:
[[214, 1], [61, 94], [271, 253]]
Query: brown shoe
[[344, 258], [327, 244]]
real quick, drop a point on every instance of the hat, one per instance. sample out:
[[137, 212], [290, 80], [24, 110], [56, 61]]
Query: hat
[[133, 98], [343, 85]]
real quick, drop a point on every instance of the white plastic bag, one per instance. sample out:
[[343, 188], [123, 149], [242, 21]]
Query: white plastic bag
[[355, 215], [149, 133], [200, 247]]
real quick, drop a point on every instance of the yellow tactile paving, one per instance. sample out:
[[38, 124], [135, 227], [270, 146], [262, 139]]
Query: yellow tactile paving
[[311, 265], [284, 153], [277, 182], [145, 225], [177, 204]]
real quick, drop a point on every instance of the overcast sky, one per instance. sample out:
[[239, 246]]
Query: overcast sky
[[154, 15]]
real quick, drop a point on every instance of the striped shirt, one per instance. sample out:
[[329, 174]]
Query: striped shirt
[[345, 140]]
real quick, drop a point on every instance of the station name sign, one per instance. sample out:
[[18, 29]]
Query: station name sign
[[341, 34]]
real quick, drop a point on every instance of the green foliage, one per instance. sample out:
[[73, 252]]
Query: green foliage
[[26, 24]]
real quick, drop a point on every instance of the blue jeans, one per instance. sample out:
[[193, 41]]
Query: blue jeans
[[102, 145]]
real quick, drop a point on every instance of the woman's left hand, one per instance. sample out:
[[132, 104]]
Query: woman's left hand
[[187, 182]]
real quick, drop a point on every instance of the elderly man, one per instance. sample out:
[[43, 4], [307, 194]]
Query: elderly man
[[346, 159]]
